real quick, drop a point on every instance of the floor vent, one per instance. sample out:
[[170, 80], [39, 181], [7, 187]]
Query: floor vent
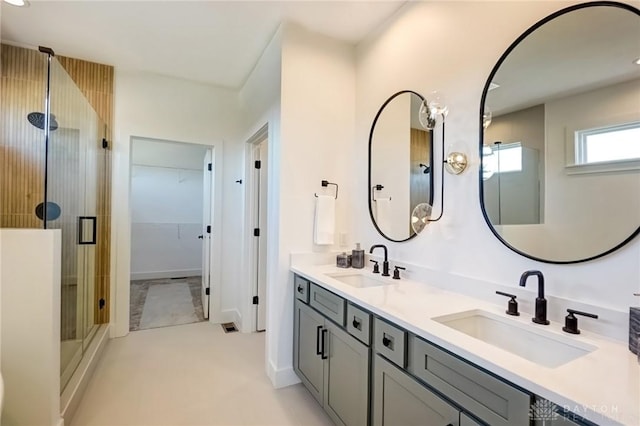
[[229, 327]]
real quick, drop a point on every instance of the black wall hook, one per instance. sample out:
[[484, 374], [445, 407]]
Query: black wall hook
[[326, 183]]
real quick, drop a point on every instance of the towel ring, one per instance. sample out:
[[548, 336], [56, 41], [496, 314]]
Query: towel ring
[[376, 188], [326, 183]]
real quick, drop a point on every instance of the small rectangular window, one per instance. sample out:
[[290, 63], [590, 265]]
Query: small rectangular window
[[608, 144], [509, 157]]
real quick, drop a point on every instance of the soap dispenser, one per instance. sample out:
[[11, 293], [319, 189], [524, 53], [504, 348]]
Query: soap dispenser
[[357, 257]]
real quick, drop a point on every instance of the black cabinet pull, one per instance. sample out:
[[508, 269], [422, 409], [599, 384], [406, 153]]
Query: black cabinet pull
[[356, 323], [386, 342], [300, 289], [324, 333], [318, 352]]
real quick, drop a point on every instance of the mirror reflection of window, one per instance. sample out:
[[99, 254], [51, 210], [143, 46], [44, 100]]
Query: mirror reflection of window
[[611, 143], [568, 90]]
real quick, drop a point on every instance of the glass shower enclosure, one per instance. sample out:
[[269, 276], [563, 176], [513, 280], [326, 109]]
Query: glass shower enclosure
[[51, 143]]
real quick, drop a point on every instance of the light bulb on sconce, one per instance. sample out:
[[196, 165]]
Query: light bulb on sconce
[[456, 163], [487, 116], [431, 109]]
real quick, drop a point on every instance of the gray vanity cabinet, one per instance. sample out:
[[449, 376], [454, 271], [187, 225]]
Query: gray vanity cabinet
[[398, 399], [307, 360], [346, 378], [333, 365]]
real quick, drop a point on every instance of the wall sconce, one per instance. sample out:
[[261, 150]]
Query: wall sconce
[[432, 110], [456, 163]]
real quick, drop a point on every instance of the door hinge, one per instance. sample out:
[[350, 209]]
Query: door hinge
[[210, 166], [206, 291], [255, 300], [105, 143], [256, 232], [101, 303], [208, 229], [258, 164]]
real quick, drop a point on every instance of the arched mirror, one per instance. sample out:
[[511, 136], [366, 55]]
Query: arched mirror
[[400, 165], [560, 136]]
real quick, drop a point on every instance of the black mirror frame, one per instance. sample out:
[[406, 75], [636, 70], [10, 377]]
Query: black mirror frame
[[370, 185], [482, 104]]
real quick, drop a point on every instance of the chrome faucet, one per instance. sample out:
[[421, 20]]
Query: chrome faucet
[[385, 264], [541, 303]]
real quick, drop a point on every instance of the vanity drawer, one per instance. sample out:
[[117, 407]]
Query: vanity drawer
[[390, 341], [359, 323], [488, 398], [328, 304], [301, 288]]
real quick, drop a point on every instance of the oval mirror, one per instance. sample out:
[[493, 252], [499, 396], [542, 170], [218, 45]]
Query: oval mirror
[[400, 166], [560, 136]]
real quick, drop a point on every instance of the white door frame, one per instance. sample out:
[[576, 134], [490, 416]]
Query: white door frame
[[251, 243], [121, 234]]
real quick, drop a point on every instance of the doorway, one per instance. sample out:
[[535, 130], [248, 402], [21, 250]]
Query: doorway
[[257, 174], [171, 187]]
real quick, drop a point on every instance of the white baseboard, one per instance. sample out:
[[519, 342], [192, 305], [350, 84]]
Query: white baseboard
[[283, 377], [70, 398], [230, 315], [154, 275]]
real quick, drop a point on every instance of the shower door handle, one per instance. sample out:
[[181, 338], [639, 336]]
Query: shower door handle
[[87, 230]]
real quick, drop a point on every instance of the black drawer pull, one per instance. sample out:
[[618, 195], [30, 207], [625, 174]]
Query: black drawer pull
[[324, 333], [356, 323], [386, 342], [318, 351], [300, 289]]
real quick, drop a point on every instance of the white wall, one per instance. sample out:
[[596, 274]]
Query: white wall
[[407, 54], [166, 209], [31, 326], [316, 132], [170, 109], [260, 103]]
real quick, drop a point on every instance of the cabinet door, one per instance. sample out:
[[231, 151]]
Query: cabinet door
[[307, 336], [400, 400], [465, 420], [346, 373]]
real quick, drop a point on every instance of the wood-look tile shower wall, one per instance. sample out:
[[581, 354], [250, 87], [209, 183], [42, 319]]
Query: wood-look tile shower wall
[[22, 157]]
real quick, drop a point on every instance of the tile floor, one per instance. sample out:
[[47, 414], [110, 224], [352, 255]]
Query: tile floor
[[192, 374]]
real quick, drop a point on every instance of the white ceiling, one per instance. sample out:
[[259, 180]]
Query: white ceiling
[[217, 42]]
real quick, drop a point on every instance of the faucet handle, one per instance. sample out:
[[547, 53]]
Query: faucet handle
[[376, 267], [396, 272], [512, 306], [571, 322]]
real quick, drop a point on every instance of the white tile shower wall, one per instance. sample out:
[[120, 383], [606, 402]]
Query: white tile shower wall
[[452, 47]]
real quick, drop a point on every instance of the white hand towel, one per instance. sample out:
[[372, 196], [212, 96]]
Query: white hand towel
[[324, 229], [383, 211]]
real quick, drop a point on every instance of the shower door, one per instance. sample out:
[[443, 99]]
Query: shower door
[[71, 188]]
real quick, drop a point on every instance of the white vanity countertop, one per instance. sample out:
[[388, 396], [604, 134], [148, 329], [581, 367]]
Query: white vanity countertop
[[602, 386]]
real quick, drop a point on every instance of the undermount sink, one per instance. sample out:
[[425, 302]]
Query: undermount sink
[[358, 280], [523, 340]]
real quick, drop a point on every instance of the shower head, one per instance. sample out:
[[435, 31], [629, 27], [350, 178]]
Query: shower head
[[37, 119]]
